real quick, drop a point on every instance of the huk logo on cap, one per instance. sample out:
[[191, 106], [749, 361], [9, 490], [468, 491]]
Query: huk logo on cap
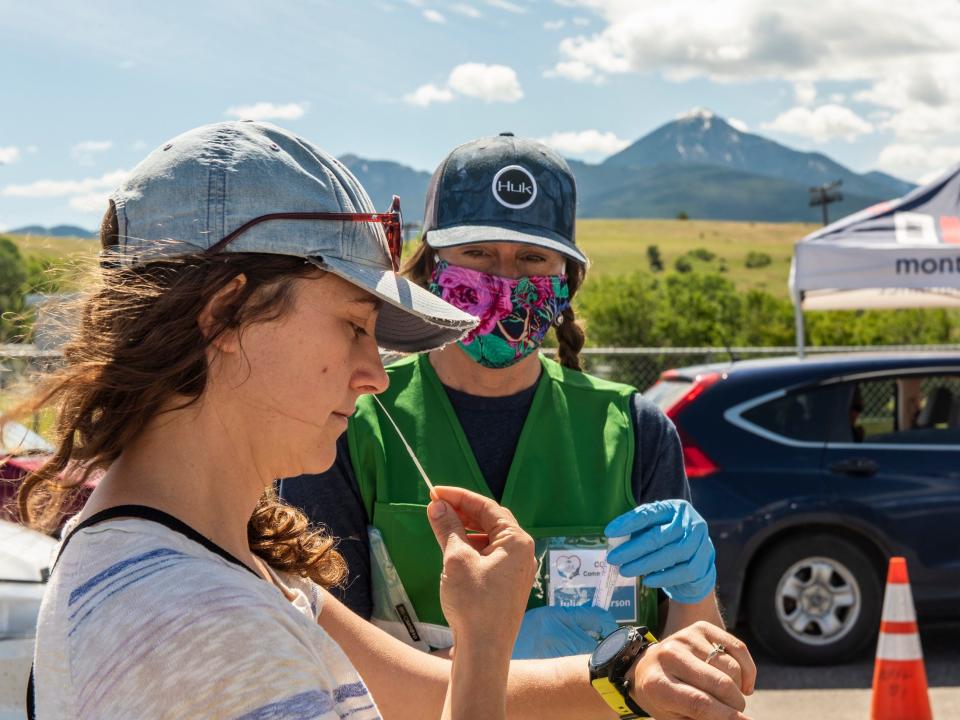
[[514, 187]]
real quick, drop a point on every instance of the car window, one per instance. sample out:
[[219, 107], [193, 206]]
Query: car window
[[914, 409], [801, 415]]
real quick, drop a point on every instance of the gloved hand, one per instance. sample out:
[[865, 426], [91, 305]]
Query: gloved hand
[[669, 546], [548, 632]]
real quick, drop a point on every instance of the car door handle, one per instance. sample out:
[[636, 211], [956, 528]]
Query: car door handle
[[855, 466]]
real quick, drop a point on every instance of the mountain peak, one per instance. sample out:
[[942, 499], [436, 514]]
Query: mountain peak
[[700, 118], [697, 113]]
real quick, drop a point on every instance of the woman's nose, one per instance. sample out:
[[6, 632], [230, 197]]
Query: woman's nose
[[508, 267], [370, 376]]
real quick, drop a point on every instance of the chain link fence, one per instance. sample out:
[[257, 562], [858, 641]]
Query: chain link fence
[[641, 367]]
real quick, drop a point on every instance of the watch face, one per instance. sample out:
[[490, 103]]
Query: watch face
[[608, 649]]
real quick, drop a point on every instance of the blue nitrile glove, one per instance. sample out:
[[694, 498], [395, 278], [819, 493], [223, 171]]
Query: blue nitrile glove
[[669, 546], [548, 632]]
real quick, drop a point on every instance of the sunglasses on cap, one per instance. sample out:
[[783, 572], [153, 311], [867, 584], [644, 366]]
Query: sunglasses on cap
[[392, 222]]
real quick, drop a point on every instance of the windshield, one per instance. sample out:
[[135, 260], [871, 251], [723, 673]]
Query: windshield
[[19, 440]]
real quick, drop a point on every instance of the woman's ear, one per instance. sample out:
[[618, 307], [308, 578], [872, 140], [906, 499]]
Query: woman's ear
[[212, 316]]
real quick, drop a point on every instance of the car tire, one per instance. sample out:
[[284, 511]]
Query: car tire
[[814, 600]]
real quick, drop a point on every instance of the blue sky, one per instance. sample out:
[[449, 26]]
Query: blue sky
[[87, 89]]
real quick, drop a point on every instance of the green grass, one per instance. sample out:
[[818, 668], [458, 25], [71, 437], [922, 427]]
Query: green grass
[[620, 246], [56, 247], [614, 247]]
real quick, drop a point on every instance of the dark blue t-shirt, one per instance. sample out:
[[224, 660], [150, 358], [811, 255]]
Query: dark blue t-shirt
[[492, 426]]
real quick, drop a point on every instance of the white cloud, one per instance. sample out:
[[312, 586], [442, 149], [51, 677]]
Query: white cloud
[[900, 59], [428, 94], [554, 24], [749, 39], [86, 195], [32, 149], [268, 111], [586, 143], [90, 202], [738, 124], [507, 5], [825, 123], [84, 152], [466, 10], [490, 83], [9, 155], [921, 163], [804, 92], [581, 21], [434, 16], [574, 70]]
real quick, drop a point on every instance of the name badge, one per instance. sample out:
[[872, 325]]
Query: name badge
[[574, 575]]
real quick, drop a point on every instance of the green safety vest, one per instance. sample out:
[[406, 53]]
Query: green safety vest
[[570, 475]]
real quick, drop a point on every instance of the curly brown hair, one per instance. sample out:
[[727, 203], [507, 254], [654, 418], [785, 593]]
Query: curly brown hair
[[137, 347], [570, 334]]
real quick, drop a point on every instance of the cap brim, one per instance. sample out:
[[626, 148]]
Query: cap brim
[[467, 234], [411, 319]]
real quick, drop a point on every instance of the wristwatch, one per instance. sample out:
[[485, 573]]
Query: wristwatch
[[609, 664]]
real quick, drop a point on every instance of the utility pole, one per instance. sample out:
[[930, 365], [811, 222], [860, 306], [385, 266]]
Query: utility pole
[[823, 195]]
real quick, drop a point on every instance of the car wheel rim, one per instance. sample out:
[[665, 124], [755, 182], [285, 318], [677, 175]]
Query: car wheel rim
[[818, 601]]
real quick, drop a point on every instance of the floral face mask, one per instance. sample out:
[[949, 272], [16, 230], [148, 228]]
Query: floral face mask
[[515, 313]]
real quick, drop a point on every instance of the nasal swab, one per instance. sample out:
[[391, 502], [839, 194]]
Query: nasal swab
[[608, 578], [413, 457]]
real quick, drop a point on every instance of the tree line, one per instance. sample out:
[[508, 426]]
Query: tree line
[[685, 309]]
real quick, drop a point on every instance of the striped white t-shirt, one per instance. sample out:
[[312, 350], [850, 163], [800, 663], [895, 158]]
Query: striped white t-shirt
[[141, 622]]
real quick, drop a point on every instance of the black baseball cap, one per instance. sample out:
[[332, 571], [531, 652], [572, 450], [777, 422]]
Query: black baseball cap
[[503, 189]]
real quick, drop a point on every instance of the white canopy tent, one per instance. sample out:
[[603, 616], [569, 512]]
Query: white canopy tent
[[902, 253]]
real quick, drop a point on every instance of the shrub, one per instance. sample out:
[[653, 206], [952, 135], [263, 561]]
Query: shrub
[[756, 259], [682, 265], [654, 258], [701, 253]]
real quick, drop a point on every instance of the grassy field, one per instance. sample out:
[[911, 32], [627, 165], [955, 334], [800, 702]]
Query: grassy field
[[620, 246], [56, 247], [614, 246]]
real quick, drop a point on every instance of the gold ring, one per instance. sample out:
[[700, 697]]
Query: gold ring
[[717, 649]]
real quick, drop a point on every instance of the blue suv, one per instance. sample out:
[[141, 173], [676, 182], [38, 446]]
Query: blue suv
[[811, 474]]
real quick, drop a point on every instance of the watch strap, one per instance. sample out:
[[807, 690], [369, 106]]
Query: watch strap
[[616, 699], [621, 685]]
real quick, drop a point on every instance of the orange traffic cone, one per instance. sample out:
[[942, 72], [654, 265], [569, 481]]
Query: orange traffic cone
[[899, 677]]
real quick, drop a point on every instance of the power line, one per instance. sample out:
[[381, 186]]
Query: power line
[[825, 194]]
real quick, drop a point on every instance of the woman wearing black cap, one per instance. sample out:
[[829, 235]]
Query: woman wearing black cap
[[575, 458]]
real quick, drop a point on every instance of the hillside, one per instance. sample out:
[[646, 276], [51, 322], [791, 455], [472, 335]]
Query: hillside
[[703, 191], [55, 231], [619, 246], [614, 246], [703, 138]]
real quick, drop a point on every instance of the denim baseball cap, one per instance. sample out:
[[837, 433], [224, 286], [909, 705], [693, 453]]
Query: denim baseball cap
[[233, 187], [503, 188]]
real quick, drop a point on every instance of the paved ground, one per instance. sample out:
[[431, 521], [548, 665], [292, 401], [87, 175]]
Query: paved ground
[[842, 692]]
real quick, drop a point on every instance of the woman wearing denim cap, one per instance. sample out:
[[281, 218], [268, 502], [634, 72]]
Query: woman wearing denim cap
[[574, 457], [247, 283]]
